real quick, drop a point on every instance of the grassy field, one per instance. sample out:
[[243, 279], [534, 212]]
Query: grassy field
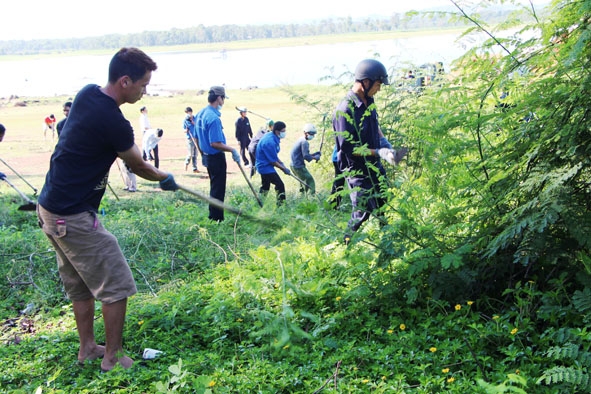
[[26, 151]]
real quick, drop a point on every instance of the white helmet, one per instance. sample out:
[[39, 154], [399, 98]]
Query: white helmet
[[309, 128]]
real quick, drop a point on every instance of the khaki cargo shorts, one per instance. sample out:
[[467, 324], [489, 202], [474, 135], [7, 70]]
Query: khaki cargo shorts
[[90, 261]]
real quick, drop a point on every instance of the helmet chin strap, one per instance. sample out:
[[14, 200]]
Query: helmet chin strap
[[365, 92]]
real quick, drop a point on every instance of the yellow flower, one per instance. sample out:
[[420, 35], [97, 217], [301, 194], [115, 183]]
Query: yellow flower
[[445, 370], [140, 322], [496, 317], [338, 298], [451, 380], [365, 381], [211, 384], [286, 347], [433, 349], [470, 302], [458, 307], [514, 331], [402, 327], [383, 378], [390, 332], [517, 372]]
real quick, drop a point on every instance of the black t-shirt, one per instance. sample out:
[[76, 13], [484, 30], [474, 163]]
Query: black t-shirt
[[79, 169]]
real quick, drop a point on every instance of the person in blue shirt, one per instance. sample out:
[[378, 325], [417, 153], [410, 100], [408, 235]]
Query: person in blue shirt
[[90, 261], [189, 127], [267, 160], [212, 142]]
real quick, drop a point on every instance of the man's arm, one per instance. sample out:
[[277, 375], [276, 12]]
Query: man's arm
[[133, 158]]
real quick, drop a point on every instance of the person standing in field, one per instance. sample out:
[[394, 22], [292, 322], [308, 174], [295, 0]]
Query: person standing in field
[[358, 135], [61, 123], [300, 153], [267, 160], [212, 142], [189, 127], [90, 261], [243, 134], [49, 124]]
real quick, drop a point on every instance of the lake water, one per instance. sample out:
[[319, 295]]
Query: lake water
[[235, 69]]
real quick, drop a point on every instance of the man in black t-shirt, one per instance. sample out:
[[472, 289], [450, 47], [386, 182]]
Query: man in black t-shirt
[[90, 261]]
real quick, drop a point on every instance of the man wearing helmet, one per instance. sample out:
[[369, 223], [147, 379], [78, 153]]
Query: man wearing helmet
[[358, 135], [300, 153]]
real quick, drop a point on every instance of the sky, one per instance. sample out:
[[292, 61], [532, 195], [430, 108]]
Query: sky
[[38, 19]]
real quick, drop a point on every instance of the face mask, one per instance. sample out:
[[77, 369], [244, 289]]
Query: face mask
[[310, 137], [220, 107], [282, 134]]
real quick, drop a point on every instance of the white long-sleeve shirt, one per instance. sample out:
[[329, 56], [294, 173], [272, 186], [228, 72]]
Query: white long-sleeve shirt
[[150, 140]]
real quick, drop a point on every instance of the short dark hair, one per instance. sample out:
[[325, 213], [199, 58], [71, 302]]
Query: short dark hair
[[279, 125], [132, 62], [159, 132], [68, 104], [2, 128]]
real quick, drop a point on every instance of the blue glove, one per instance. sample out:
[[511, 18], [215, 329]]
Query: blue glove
[[169, 183], [2, 175], [235, 156], [286, 171]]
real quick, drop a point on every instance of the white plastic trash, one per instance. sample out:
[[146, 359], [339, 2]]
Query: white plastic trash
[[150, 354]]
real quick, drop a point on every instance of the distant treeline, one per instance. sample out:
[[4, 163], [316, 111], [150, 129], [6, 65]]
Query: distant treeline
[[226, 33]]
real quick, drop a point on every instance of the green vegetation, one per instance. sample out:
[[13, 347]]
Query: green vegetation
[[480, 281]]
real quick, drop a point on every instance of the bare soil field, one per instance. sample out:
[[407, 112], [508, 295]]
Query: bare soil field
[[28, 152]]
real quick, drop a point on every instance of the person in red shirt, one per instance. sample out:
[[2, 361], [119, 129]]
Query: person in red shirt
[[49, 125]]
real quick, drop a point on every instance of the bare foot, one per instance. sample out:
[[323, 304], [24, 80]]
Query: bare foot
[[93, 353], [109, 364]]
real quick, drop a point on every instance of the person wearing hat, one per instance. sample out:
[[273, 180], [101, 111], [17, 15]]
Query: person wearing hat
[[212, 142], [252, 147], [243, 134], [189, 127], [356, 126], [300, 153]]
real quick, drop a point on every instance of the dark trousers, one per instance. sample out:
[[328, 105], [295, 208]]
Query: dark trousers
[[365, 200], [153, 154], [273, 178], [243, 150], [216, 169], [337, 185]]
